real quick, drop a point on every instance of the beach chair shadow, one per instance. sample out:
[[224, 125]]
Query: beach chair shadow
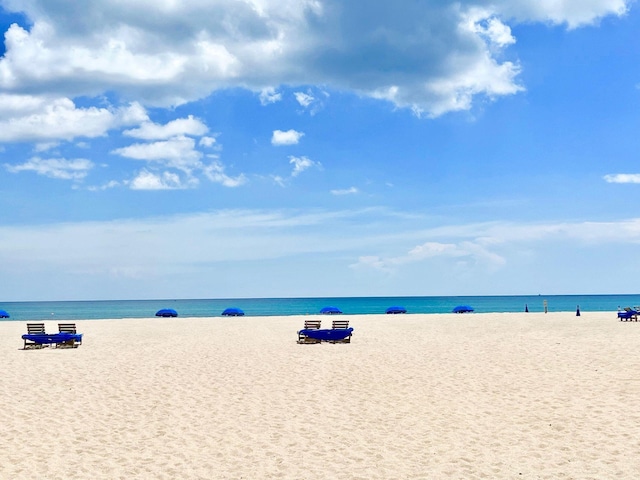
[[341, 325], [33, 329], [309, 325]]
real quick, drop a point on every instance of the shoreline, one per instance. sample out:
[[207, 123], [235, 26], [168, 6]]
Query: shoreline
[[54, 319]]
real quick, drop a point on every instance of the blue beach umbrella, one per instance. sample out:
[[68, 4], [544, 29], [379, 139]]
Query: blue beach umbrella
[[233, 312], [166, 312], [330, 311], [3, 314], [463, 309], [394, 310]]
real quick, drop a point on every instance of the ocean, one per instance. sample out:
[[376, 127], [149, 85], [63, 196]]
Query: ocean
[[116, 309]]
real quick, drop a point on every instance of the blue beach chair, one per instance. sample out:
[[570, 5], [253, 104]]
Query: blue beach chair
[[628, 315], [36, 337]]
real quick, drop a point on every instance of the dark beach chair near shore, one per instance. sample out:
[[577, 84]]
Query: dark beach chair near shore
[[33, 329], [341, 325], [69, 328], [309, 325]]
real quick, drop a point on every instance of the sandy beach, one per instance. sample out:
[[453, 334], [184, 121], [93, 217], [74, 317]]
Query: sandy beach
[[495, 396]]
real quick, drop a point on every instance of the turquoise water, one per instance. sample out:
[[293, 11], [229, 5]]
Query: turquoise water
[[95, 310]]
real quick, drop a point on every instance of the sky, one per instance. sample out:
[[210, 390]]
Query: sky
[[308, 148]]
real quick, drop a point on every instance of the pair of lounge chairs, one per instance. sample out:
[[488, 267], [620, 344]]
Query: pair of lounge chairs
[[629, 314], [37, 337], [312, 333]]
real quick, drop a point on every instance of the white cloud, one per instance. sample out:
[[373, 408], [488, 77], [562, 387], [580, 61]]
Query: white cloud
[[572, 13], [59, 168], [465, 252], [347, 191], [215, 173], [44, 119], [304, 99], [491, 28], [269, 95], [622, 178], [279, 180], [150, 181], [300, 164], [433, 56], [44, 146], [182, 126], [207, 141], [490, 244], [106, 186], [290, 137], [386, 249], [178, 152]]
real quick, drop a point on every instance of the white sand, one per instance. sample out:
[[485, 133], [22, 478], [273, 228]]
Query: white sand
[[491, 396]]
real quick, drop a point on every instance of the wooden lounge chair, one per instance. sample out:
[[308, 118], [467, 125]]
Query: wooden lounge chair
[[309, 325], [69, 328], [34, 328], [341, 324]]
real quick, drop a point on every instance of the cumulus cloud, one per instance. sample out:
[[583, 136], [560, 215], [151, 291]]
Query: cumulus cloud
[[181, 126], [44, 146], [574, 13], [59, 168], [178, 152], [207, 141], [290, 137], [304, 99], [216, 173], [43, 118], [433, 56], [146, 180], [300, 164], [622, 178], [269, 95]]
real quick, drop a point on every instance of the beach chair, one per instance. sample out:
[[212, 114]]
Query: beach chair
[[69, 328], [342, 325], [34, 329], [309, 325], [628, 315]]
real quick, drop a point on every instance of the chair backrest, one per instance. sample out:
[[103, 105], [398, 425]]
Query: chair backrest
[[35, 328], [312, 324], [67, 327], [340, 324]]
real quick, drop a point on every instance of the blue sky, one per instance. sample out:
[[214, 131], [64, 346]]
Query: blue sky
[[281, 148]]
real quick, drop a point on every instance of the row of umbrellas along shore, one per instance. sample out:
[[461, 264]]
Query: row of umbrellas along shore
[[236, 312]]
